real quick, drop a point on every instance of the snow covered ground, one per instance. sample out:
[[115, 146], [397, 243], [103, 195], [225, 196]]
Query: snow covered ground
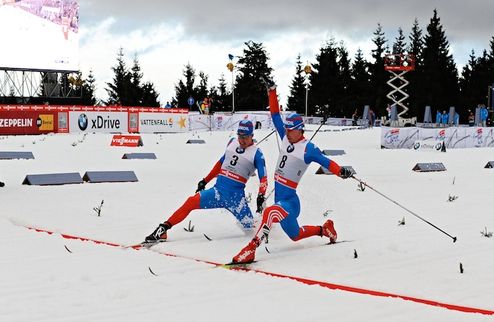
[[41, 281]]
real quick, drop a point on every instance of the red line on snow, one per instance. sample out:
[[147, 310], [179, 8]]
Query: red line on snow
[[293, 278]]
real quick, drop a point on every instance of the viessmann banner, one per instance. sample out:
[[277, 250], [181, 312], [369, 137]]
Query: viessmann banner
[[106, 122], [163, 122]]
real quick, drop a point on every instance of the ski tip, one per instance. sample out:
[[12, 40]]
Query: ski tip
[[234, 265]]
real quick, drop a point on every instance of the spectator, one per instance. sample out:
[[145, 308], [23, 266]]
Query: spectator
[[471, 118], [168, 105], [372, 118], [456, 119], [445, 117], [438, 118], [354, 118], [483, 115]]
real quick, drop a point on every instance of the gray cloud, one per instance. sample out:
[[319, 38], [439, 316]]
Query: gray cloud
[[228, 20]]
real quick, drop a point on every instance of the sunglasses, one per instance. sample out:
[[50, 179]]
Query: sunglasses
[[240, 136]]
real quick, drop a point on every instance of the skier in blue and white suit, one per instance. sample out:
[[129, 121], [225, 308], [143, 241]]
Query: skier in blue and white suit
[[240, 160], [296, 154]]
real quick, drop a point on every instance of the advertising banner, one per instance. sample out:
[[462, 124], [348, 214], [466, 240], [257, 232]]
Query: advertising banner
[[163, 122], [27, 122], [428, 145], [453, 137], [126, 140], [106, 122], [399, 138]]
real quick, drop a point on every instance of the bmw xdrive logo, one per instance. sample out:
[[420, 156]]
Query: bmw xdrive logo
[[290, 148], [82, 122], [239, 150]]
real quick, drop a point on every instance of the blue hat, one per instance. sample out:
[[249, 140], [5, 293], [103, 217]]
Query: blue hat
[[245, 127], [294, 121]]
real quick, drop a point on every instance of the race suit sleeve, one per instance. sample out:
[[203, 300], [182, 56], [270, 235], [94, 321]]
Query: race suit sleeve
[[215, 170], [260, 165], [313, 154], [274, 109]]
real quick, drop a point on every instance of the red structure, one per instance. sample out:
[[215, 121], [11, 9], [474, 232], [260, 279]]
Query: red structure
[[399, 62]]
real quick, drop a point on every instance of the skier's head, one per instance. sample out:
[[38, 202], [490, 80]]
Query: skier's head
[[245, 133], [294, 121], [294, 125], [245, 128]]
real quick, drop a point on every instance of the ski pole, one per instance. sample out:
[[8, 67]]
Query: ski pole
[[409, 211], [265, 137], [322, 123]]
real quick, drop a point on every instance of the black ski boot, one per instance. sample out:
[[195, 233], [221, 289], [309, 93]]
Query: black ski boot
[[159, 234]]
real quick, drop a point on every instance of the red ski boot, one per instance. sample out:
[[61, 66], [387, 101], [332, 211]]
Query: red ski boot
[[329, 231], [248, 253]]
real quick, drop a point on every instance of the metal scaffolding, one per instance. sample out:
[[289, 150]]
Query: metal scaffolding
[[31, 83]]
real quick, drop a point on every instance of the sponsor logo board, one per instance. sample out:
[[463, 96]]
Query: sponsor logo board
[[108, 122]]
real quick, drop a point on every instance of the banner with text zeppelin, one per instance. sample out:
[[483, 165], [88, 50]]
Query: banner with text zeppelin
[[163, 122], [27, 122], [107, 122]]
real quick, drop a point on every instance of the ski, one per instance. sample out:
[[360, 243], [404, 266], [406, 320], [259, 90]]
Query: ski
[[144, 245], [234, 266]]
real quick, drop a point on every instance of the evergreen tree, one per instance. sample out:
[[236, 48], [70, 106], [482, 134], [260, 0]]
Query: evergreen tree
[[250, 93], [119, 91], [399, 46], [185, 90], [221, 96], [202, 88], [439, 70], [377, 73], [465, 81], [88, 90], [344, 97], [296, 100], [149, 96], [415, 48], [325, 83], [136, 90], [359, 84]]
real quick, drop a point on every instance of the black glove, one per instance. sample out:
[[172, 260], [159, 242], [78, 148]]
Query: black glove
[[260, 202], [201, 185], [345, 173], [267, 82]]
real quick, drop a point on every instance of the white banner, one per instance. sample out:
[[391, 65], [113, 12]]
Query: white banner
[[453, 137], [428, 145], [107, 122], [163, 123]]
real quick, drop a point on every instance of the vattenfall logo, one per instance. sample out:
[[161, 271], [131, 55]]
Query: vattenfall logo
[[82, 122]]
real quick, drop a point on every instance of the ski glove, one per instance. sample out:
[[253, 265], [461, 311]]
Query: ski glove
[[260, 202], [345, 173], [201, 185]]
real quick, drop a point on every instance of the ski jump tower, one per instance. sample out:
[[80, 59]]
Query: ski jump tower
[[398, 65]]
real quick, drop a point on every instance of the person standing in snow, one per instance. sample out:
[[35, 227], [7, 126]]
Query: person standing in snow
[[232, 171], [295, 156]]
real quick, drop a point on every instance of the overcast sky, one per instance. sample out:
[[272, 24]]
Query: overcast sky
[[166, 35]]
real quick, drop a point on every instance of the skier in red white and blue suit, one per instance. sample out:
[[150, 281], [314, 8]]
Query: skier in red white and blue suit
[[240, 160], [296, 154]]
